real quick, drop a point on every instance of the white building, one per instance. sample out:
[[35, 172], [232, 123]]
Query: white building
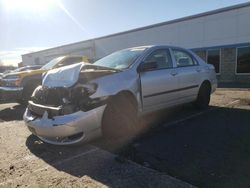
[[221, 37]]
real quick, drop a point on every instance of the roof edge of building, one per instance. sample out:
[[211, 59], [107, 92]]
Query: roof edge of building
[[212, 12]]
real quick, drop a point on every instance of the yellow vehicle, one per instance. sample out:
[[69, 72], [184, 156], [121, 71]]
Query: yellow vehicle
[[18, 86]]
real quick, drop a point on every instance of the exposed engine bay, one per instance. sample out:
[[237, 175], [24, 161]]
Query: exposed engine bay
[[61, 97]]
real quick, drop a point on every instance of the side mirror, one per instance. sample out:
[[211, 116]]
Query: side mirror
[[143, 67]]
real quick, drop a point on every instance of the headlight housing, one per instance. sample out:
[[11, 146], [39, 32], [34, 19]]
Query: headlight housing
[[90, 88], [82, 92]]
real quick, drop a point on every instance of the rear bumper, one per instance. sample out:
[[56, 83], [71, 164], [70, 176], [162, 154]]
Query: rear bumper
[[10, 94], [66, 129]]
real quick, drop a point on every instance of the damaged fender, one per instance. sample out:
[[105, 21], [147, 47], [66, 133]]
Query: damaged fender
[[122, 81]]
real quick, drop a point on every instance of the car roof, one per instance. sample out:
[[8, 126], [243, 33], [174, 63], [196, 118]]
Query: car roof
[[157, 46]]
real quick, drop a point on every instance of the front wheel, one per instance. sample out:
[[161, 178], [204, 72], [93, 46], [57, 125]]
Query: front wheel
[[120, 118], [203, 97]]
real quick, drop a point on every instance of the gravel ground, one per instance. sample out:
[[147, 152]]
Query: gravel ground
[[207, 149]]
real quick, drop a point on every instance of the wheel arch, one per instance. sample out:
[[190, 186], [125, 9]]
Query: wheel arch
[[107, 120], [128, 95], [206, 83]]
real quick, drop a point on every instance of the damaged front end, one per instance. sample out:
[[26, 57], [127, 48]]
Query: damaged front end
[[63, 101], [61, 110]]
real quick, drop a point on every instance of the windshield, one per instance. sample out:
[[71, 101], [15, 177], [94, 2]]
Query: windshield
[[120, 60], [52, 63], [68, 61]]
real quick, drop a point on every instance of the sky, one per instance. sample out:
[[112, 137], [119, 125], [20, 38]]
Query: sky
[[33, 25]]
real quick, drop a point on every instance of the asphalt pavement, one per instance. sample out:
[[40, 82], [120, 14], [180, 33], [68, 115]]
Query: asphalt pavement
[[179, 147]]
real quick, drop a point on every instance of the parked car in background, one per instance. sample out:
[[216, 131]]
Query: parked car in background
[[18, 85], [26, 68], [80, 102]]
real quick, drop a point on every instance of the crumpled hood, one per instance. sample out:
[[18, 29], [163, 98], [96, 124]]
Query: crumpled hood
[[63, 77]]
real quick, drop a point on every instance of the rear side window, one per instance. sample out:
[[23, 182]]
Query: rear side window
[[183, 59], [161, 57]]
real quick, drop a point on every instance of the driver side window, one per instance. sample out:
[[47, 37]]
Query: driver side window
[[161, 57]]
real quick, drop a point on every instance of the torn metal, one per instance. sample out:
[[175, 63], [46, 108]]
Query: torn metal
[[67, 90]]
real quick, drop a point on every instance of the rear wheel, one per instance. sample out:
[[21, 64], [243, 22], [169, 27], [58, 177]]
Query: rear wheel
[[120, 118], [203, 97]]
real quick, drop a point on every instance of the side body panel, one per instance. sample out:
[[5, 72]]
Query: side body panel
[[130, 80], [158, 88]]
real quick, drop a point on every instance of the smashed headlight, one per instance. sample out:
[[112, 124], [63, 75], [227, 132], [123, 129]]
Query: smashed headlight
[[90, 88], [80, 94], [83, 90]]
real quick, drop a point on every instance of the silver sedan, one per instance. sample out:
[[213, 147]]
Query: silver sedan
[[80, 102]]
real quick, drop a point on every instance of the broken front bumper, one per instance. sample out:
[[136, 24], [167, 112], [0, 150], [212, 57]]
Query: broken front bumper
[[66, 129], [10, 94]]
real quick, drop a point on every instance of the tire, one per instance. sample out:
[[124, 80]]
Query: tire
[[120, 118], [203, 97]]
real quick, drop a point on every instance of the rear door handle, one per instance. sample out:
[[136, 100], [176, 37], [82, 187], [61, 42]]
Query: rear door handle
[[198, 70], [174, 73]]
